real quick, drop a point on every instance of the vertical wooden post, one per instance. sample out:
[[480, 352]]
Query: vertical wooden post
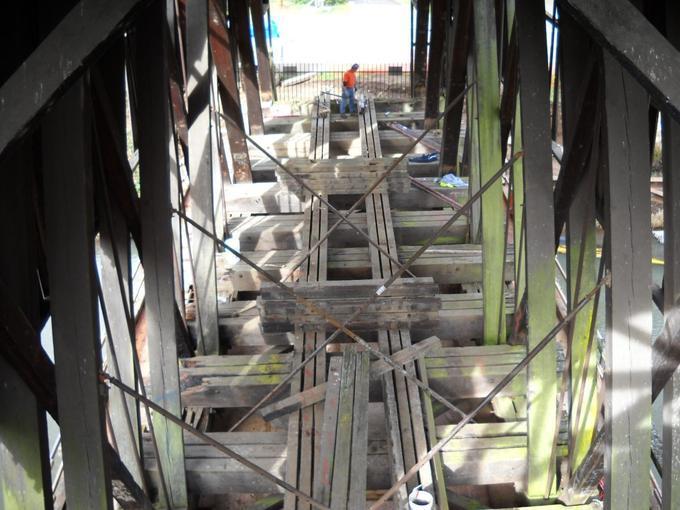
[[24, 455], [238, 11], [420, 53], [629, 318], [581, 245], [67, 179], [115, 244], [671, 281], [263, 65], [434, 65], [201, 171], [459, 35], [489, 135], [472, 115], [221, 46], [157, 240], [539, 231]]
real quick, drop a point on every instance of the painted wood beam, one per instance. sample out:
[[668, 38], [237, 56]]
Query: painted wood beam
[[157, 247], [24, 452], [57, 62], [629, 319], [540, 264], [620, 27], [492, 207]]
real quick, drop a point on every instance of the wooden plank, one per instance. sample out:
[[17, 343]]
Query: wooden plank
[[57, 62], [240, 19], [490, 159], [323, 482], [294, 402], [580, 236], [70, 234], [671, 284], [629, 321], [636, 44], [406, 355], [343, 439], [540, 265], [155, 174], [359, 465]]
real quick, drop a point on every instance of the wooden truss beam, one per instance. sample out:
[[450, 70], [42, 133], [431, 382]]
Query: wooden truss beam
[[201, 167], [69, 213], [629, 319], [223, 49], [156, 215], [435, 59], [636, 44], [240, 27], [264, 71], [57, 62], [540, 265]]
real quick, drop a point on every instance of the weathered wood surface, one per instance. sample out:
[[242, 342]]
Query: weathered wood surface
[[346, 143], [480, 454], [290, 124], [338, 177], [629, 319], [455, 372], [272, 198], [459, 318], [285, 231], [636, 44], [368, 132], [409, 300], [56, 62], [539, 234], [446, 264]]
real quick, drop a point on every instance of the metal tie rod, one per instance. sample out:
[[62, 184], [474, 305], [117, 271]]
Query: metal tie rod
[[495, 391], [342, 327], [209, 440]]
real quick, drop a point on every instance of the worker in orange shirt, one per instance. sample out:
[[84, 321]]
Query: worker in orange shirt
[[349, 84]]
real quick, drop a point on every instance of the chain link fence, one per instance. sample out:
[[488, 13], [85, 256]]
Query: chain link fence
[[300, 82]]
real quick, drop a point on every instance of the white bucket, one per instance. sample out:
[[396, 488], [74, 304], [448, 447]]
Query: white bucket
[[420, 500]]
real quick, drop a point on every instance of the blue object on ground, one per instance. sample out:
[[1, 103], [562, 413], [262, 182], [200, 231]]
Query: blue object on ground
[[452, 181], [425, 158]]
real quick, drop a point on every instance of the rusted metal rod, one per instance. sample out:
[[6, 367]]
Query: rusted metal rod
[[495, 391], [209, 440]]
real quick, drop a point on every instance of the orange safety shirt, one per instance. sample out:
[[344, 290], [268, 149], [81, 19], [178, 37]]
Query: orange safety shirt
[[349, 79]]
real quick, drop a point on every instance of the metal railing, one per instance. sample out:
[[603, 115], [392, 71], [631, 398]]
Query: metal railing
[[304, 81]]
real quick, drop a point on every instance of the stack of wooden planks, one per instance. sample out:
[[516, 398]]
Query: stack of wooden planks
[[341, 473], [408, 301], [344, 177]]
